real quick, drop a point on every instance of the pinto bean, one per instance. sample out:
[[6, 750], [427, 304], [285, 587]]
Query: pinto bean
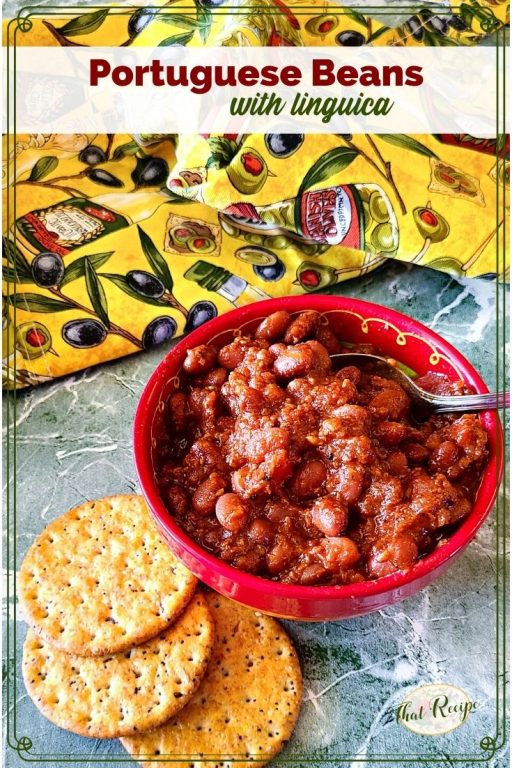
[[200, 359], [261, 531], [329, 515], [215, 378], [398, 554], [309, 478], [294, 361], [206, 495], [302, 327], [178, 500], [231, 512], [321, 359], [274, 326], [329, 340], [339, 553], [232, 354], [179, 410]]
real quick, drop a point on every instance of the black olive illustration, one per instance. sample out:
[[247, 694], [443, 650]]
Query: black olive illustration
[[145, 284], [47, 269], [414, 27], [139, 21], [92, 155], [100, 176], [84, 333], [153, 173], [200, 313], [270, 272], [283, 144], [159, 330], [350, 37], [457, 23], [437, 24]]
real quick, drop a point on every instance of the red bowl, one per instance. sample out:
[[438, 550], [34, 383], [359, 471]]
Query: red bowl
[[394, 335]]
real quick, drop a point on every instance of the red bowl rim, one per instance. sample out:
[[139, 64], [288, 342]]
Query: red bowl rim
[[323, 303]]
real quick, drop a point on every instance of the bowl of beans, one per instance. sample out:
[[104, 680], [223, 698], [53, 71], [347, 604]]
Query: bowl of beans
[[303, 487]]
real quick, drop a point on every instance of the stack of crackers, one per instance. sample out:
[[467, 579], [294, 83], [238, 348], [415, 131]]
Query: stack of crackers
[[123, 643]]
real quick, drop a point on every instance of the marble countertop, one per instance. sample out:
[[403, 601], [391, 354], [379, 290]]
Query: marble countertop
[[74, 443]]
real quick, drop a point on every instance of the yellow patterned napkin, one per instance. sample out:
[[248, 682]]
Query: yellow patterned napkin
[[116, 243]]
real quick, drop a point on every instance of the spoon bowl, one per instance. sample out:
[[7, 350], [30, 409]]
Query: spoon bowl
[[424, 403]]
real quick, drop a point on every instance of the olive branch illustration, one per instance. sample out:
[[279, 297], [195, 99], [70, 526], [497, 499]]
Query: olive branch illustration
[[149, 170], [47, 271], [88, 23]]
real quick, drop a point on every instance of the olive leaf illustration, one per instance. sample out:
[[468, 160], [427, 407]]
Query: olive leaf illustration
[[121, 282], [182, 39], [15, 257], [96, 293], [174, 198], [34, 302], [181, 20], [85, 24], [42, 168], [375, 35], [11, 275], [155, 259], [222, 151], [77, 268], [330, 163], [204, 16], [126, 150], [355, 16], [407, 142]]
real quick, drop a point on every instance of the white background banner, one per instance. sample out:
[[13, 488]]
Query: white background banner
[[54, 92]]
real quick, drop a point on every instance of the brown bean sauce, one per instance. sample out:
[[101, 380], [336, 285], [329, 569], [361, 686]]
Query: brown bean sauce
[[283, 467]]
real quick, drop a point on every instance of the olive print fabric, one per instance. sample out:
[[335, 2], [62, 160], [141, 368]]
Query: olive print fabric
[[117, 243]]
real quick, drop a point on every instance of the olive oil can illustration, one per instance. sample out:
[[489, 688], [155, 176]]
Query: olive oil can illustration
[[356, 216], [66, 225]]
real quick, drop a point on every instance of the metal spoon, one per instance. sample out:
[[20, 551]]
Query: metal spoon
[[425, 403]]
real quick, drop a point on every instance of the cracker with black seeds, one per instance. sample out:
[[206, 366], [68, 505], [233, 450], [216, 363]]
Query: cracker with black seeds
[[125, 693], [246, 706], [100, 579]]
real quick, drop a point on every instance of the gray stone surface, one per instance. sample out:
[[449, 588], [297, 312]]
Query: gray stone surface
[[74, 443]]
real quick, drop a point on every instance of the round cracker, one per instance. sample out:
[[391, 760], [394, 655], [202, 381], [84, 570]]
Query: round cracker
[[100, 579], [247, 704], [125, 693]]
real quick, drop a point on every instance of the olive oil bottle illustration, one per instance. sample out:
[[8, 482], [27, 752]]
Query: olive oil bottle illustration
[[66, 225], [236, 290]]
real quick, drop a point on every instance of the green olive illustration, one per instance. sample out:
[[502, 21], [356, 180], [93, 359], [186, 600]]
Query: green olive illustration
[[248, 171], [447, 264], [181, 234], [312, 277], [321, 25], [256, 256], [199, 244], [378, 208], [277, 241], [33, 340], [252, 237], [431, 225], [383, 238]]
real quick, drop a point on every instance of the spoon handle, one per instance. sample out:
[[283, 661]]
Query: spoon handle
[[490, 401]]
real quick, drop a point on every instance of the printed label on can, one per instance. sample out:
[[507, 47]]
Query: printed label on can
[[330, 216]]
